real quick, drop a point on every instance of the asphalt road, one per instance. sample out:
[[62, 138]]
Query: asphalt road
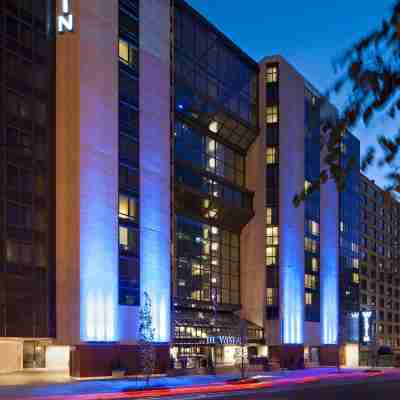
[[371, 389]]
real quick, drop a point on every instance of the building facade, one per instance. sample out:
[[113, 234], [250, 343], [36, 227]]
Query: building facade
[[144, 152], [379, 269], [311, 250], [27, 252]]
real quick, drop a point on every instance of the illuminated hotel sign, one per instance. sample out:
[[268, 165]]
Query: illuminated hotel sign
[[224, 340], [367, 326], [65, 21]]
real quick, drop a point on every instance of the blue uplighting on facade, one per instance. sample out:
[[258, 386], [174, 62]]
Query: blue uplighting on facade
[[99, 279], [330, 301], [293, 306]]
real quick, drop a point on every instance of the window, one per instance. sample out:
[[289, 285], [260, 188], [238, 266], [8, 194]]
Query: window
[[307, 186], [272, 114], [271, 297], [129, 25], [128, 178], [272, 236], [208, 263], [308, 299], [313, 228], [272, 74], [206, 153], [310, 245], [271, 155], [271, 253], [268, 219], [123, 50], [128, 88], [128, 149], [314, 264], [128, 54], [128, 207], [128, 239], [356, 278], [310, 281]]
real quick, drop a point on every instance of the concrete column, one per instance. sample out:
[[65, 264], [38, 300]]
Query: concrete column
[[155, 161], [87, 174], [329, 250], [291, 181]]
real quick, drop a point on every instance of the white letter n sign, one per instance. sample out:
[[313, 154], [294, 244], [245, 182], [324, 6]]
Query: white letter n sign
[[65, 21]]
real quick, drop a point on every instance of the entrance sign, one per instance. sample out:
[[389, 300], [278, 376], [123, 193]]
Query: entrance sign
[[224, 340], [65, 21]]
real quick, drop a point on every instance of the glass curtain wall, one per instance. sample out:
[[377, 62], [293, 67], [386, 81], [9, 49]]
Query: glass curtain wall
[[215, 123], [27, 62]]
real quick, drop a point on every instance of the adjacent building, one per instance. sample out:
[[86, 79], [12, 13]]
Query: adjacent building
[[379, 268], [143, 152]]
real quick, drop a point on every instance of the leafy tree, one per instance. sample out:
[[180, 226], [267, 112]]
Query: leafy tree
[[146, 338], [369, 72]]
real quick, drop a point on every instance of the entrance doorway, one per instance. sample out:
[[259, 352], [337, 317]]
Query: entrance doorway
[[34, 355]]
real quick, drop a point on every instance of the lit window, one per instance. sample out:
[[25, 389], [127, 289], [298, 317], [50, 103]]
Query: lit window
[[272, 236], [271, 253], [123, 236], [214, 246], [127, 207], [127, 239], [313, 227], [211, 146], [212, 163], [196, 295], [314, 264], [272, 74], [307, 186], [213, 213], [272, 114], [356, 278], [309, 299], [214, 127], [309, 281], [196, 270], [123, 50], [268, 216], [341, 226], [310, 245], [271, 155], [127, 53], [356, 264], [271, 296]]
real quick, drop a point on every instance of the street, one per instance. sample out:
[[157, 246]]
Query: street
[[378, 388]]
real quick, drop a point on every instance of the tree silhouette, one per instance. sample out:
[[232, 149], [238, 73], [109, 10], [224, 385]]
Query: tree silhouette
[[369, 72], [146, 338]]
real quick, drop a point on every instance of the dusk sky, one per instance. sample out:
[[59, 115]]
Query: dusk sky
[[309, 34]]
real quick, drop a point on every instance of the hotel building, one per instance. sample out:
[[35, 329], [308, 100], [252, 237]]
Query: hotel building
[[143, 151], [311, 250]]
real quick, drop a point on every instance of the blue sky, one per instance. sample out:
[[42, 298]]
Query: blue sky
[[308, 33]]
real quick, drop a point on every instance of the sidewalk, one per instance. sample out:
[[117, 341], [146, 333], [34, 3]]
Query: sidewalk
[[106, 388]]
